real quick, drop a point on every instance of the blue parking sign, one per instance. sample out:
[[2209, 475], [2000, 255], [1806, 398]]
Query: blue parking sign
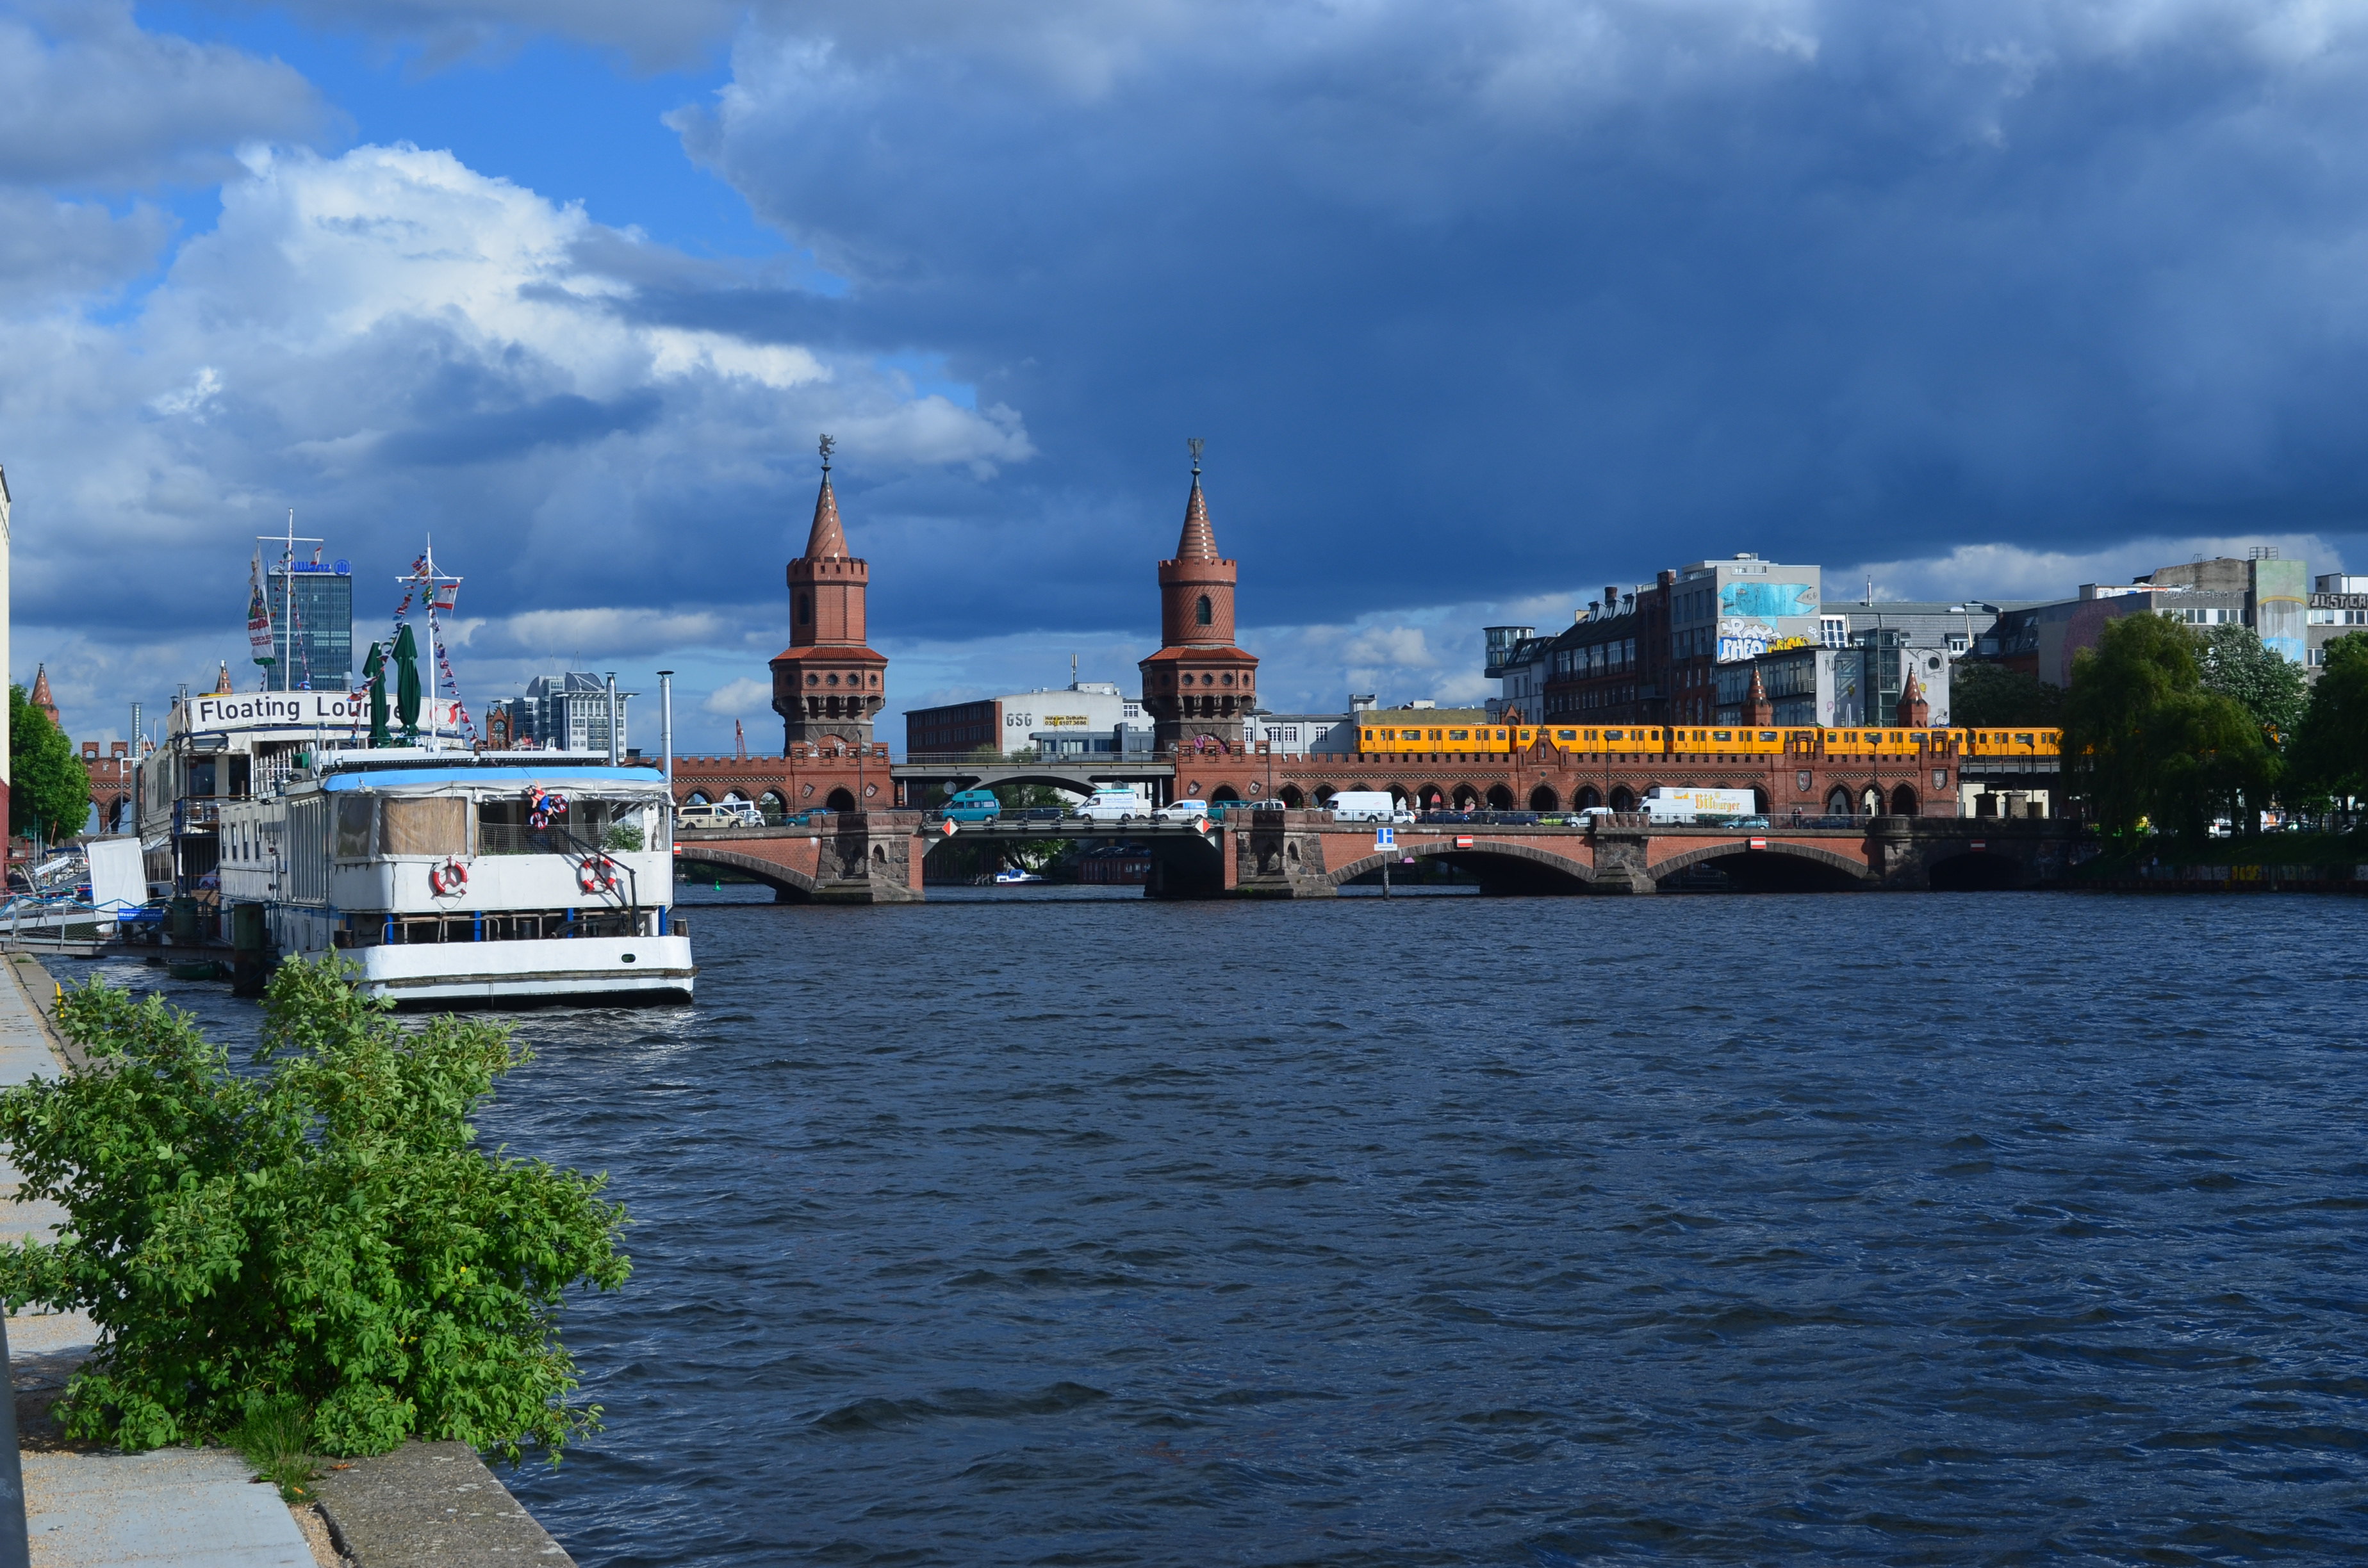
[[1385, 838]]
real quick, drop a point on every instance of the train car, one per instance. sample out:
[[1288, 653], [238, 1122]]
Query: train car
[[1412, 732], [1420, 733]]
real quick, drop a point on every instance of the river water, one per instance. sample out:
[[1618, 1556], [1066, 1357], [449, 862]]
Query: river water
[[1023, 1229]]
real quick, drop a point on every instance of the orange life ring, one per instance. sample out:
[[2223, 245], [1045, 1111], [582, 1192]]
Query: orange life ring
[[452, 877], [597, 875]]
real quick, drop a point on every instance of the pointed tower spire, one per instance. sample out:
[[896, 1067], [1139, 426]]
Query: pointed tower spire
[[827, 541], [1757, 709], [1198, 541], [40, 698], [1914, 712], [827, 683], [222, 681]]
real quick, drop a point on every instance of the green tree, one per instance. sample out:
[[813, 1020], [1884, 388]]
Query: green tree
[[49, 792], [2237, 663], [2145, 741], [1992, 697], [2331, 748], [323, 1236]]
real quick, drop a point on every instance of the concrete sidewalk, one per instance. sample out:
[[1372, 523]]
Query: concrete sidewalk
[[97, 1509]]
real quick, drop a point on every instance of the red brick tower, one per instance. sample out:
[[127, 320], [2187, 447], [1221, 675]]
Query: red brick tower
[[40, 696], [828, 684], [1199, 684]]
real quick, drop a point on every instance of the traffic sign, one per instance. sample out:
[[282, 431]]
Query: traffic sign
[[948, 826], [1385, 838]]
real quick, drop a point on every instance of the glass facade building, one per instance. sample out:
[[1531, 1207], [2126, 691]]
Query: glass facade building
[[314, 652]]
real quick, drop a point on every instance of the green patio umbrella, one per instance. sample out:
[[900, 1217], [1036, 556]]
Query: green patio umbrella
[[374, 670], [406, 681]]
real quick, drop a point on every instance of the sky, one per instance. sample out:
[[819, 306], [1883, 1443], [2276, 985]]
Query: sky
[[1480, 305]]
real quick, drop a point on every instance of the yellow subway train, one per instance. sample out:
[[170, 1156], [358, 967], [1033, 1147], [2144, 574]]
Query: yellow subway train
[[1418, 734]]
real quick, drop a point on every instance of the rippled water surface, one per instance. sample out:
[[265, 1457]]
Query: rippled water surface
[[2013, 1229]]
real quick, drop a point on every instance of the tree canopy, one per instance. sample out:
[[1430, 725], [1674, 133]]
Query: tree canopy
[[49, 792], [2329, 755], [2236, 664], [2147, 743]]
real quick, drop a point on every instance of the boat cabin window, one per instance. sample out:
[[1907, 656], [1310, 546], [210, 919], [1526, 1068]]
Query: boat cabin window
[[354, 813], [566, 825], [429, 825]]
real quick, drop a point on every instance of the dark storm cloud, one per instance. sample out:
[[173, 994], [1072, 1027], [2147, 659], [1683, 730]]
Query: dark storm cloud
[[480, 436], [1480, 294]]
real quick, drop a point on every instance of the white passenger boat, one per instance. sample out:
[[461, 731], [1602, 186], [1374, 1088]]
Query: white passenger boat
[[455, 878]]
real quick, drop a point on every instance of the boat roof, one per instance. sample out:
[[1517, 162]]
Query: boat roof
[[564, 773]]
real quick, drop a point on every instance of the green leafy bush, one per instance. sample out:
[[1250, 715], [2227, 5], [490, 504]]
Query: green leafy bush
[[325, 1234]]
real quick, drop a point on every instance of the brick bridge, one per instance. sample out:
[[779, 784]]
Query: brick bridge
[[878, 857]]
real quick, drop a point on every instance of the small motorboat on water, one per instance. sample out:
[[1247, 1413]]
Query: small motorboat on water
[[1013, 876]]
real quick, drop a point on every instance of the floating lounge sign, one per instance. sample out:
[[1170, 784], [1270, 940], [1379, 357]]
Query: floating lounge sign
[[296, 710]]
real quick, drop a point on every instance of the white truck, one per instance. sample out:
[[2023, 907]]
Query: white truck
[[1116, 802], [1368, 805], [1683, 804]]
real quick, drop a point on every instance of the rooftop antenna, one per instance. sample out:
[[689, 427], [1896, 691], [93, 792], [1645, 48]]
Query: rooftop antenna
[[287, 543], [1196, 444], [1073, 671]]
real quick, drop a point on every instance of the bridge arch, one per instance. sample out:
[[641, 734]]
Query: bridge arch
[[1543, 799], [1778, 867], [790, 886], [1500, 868], [1499, 797]]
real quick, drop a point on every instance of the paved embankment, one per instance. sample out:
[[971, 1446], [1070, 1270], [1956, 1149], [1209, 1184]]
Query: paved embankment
[[424, 1505]]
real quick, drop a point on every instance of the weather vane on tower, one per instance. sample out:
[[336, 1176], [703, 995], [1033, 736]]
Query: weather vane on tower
[[826, 445], [1196, 444]]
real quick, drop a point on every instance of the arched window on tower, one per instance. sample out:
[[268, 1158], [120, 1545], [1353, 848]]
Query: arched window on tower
[[806, 609], [1201, 614]]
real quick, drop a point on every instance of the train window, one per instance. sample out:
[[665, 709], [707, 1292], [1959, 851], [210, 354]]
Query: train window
[[1500, 735], [1459, 735], [1434, 734], [1611, 734], [1766, 734], [1409, 735], [2022, 740], [1722, 734], [1566, 735]]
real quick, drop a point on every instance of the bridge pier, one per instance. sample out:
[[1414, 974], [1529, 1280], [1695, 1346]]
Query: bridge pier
[[871, 857], [1622, 857]]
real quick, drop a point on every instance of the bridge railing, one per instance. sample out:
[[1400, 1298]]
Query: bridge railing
[[1034, 758]]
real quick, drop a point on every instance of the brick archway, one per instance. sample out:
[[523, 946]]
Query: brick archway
[[789, 884]]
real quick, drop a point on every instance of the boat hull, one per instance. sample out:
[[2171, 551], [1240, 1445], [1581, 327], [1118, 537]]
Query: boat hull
[[598, 970]]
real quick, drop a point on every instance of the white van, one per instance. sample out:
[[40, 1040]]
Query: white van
[[1368, 805], [717, 813], [1115, 802], [1182, 810]]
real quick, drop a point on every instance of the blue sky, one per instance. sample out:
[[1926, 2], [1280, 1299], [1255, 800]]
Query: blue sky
[[1480, 306]]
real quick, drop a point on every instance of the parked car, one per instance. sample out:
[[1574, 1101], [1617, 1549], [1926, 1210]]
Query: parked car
[[1182, 810], [711, 814], [972, 805]]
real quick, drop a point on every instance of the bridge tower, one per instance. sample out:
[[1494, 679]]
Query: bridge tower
[[828, 684], [1199, 684]]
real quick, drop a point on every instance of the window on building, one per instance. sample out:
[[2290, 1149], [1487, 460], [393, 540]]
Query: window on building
[[1957, 642], [1833, 631], [806, 609], [1201, 614]]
